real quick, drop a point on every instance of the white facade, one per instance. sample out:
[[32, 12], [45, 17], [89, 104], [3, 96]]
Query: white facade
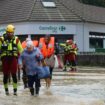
[[80, 31], [42, 28]]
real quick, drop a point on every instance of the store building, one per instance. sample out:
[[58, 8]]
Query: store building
[[60, 18]]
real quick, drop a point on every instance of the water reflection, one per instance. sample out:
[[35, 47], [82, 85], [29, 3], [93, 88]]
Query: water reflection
[[81, 91]]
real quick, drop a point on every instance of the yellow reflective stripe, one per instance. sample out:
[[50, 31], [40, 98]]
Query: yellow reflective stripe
[[14, 85], [63, 45], [10, 46], [6, 85], [75, 52], [4, 54]]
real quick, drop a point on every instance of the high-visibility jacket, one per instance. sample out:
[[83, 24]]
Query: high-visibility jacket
[[10, 47], [71, 48], [35, 42], [66, 47], [47, 50]]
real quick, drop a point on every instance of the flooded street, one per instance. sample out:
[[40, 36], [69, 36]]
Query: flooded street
[[86, 87]]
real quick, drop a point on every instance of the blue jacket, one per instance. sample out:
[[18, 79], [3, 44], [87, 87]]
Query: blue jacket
[[31, 60]]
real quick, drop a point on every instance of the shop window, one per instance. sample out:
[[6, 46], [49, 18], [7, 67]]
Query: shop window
[[22, 37], [96, 43]]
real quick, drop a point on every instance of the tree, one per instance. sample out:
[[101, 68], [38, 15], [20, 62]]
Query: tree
[[100, 3]]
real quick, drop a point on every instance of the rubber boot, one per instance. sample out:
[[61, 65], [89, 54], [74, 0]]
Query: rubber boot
[[32, 91], [37, 91], [15, 92], [6, 91]]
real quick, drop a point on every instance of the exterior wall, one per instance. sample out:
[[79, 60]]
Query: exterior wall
[[79, 38], [61, 28], [42, 28], [96, 27], [82, 31], [79, 30]]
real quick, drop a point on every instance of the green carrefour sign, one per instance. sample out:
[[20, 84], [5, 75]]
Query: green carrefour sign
[[53, 29]]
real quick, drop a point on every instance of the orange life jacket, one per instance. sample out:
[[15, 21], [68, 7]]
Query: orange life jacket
[[35, 42], [24, 44], [47, 50]]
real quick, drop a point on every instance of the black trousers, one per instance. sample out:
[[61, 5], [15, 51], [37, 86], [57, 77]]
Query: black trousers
[[33, 79]]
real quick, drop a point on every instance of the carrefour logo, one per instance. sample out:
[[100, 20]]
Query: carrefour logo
[[62, 28]]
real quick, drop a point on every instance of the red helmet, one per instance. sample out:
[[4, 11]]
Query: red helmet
[[70, 41]]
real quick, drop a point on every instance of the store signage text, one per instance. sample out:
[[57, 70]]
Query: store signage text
[[53, 29]]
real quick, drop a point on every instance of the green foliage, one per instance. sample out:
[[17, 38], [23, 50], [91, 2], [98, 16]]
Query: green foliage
[[100, 3]]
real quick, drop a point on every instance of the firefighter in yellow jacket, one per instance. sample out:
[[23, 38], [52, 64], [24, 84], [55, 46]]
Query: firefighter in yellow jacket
[[70, 51], [10, 47]]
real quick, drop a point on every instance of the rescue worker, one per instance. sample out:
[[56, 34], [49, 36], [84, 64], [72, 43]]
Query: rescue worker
[[9, 78], [46, 45], [10, 46], [75, 53], [76, 48], [72, 55], [67, 48], [31, 58], [25, 79]]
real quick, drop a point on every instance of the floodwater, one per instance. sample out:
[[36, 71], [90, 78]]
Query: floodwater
[[82, 88]]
